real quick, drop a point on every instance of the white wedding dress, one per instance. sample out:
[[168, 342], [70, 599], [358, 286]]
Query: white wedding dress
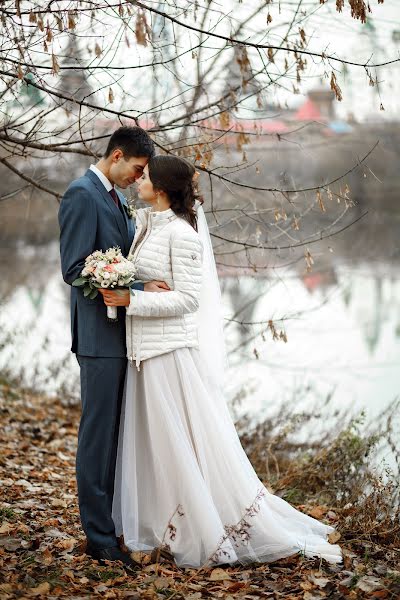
[[184, 480]]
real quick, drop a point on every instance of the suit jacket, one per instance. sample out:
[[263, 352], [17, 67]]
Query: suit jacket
[[89, 220]]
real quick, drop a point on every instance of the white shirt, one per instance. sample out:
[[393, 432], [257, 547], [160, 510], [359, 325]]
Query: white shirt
[[107, 184]]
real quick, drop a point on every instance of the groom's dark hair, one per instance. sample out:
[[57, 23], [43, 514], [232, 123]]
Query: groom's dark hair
[[133, 141]]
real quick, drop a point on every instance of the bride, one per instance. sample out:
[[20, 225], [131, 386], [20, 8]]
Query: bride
[[183, 479]]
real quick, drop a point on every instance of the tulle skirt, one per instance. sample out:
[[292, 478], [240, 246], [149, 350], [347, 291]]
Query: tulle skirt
[[184, 480]]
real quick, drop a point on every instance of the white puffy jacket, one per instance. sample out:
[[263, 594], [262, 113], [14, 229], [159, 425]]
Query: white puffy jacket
[[165, 248]]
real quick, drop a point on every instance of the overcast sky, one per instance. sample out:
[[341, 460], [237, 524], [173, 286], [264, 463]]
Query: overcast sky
[[326, 30]]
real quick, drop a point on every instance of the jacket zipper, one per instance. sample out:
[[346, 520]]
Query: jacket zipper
[[139, 246], [134, 256]]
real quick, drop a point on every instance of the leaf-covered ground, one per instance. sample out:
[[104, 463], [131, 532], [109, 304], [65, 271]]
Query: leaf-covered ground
[[42, 544]]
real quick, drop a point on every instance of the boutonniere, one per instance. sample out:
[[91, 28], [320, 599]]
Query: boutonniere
[[130, 211], [130, 207]]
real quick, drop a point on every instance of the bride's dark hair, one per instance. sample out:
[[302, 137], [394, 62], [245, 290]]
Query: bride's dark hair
[[174, 176]]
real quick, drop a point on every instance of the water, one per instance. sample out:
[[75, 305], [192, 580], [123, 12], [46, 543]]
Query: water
[[342, 327], [341, 322], [343, 339]]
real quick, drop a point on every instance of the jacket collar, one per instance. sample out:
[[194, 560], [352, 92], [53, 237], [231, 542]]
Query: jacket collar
[[96, 180], [106, 182], [157, 218], [161, 216]]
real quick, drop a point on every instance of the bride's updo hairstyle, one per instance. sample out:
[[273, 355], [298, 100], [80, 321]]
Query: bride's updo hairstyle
[[175, 176]]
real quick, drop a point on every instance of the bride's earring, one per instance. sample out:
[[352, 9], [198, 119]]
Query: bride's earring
[[158, 200]]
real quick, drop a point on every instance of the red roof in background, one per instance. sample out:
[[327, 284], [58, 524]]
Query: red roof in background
[[308, 111], [273, 126], [268, 125]]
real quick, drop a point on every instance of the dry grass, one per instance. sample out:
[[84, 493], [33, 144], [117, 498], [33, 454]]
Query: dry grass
[[340, 469]]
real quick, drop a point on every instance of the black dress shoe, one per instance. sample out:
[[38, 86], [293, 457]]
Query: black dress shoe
[[114, 553]]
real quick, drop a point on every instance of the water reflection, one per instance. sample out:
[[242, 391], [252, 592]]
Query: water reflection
[[345, 337], [342, 326], [34, 320]]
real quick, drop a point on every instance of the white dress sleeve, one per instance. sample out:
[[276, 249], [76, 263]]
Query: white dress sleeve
[[186, 260]]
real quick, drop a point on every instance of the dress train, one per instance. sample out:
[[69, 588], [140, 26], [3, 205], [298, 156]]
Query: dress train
[[183, 478]]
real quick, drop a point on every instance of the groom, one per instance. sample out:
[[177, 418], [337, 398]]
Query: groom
[[93, 216]]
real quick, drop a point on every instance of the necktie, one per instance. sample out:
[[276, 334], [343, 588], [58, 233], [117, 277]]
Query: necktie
[[118, 204], [114, 197]]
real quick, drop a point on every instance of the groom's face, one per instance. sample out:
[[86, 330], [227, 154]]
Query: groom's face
[[125, 171]]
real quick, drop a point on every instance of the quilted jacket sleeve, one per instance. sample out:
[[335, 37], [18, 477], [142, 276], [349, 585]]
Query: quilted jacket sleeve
[[186, 261]]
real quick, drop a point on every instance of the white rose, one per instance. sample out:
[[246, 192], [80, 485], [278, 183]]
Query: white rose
[[119, 268]]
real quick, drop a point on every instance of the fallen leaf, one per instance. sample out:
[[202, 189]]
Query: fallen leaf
[[219, 575], [318, 511], [334, 537], [10, 544], [237, 585], [320, 582], [58, 503], [43, 588], [5, 527], [53, 533], [46, 557], [369, 584], [68, 544], [161, 582], [316, 595]]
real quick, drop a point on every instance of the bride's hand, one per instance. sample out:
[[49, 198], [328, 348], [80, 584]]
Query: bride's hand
[[122, 297]]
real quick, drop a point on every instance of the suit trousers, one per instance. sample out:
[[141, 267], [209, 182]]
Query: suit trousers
[[102, 385]]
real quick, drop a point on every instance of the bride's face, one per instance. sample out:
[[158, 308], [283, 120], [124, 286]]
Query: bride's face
[[145, 188]]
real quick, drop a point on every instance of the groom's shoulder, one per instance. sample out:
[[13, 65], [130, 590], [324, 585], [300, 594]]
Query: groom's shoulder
[[80, 189], [82, 182]]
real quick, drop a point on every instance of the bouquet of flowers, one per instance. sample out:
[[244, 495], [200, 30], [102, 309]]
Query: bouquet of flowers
[[109, 269]]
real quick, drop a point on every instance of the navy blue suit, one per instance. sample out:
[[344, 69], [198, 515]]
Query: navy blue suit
[[90, 220]]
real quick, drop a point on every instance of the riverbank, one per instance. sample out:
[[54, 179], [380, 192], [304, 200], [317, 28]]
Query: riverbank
[[42, 545]]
